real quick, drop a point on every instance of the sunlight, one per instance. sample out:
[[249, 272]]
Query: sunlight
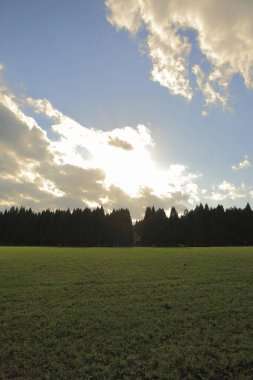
[[123, 154]]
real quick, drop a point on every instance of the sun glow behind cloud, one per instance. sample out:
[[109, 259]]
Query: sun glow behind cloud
[[123, 154], [83, 166]]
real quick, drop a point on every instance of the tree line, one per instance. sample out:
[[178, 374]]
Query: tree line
[[19, 226], [202, 226]]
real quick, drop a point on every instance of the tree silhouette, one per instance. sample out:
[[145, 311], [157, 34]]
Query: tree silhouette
[[202, 226]]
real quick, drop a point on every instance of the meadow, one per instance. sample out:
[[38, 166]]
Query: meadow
[[126, 313]]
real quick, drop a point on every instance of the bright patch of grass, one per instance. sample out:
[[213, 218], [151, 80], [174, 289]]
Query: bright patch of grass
[[134, 313]]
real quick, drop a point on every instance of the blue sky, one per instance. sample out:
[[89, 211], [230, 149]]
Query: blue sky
[[83, 71]]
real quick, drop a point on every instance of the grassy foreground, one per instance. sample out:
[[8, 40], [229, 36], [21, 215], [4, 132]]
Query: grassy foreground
[[127, 313]]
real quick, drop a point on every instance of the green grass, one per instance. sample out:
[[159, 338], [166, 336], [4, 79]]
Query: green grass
[[127, 313]]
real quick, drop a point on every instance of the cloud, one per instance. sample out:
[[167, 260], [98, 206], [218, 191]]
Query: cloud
[[129, 168], [212, 96], [223, 35], [82, 166], [227, 190], [24, 142], [87, 167], [137, 205], [119, 143], [245, 164], [29, 174], [45, 107]]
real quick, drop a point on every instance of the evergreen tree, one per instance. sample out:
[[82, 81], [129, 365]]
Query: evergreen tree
[[200, 226]]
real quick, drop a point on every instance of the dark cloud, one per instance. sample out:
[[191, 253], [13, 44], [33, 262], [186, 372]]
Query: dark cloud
[[118, 143], [16, 136]]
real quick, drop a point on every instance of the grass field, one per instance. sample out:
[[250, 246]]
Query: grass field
[[126, 313]]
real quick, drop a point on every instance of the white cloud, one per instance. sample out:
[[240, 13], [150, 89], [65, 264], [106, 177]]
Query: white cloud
[[7, 100], [45, 107], [224, 32], [233, 191], [212, 96], [245, 164], [227, 190], [217, 197], [127, 14], [170, 61]]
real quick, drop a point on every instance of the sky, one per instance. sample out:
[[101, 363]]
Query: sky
[[126, 104]]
